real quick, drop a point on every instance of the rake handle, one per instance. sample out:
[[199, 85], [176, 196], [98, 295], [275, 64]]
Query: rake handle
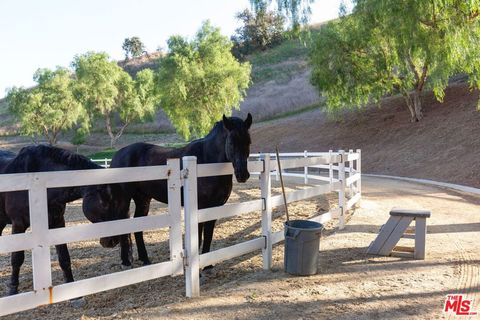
[[281, 182]]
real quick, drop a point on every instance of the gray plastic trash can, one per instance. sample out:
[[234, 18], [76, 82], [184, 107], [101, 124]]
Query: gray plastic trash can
[[302, 240]]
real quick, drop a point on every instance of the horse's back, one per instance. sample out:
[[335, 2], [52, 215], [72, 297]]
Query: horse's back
[[140, 154], [39, 158], [5, 158]]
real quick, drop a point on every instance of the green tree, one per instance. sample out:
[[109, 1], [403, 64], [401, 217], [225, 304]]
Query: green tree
[[110, 94], [49, 108], [260, 30], [200, 80], [389, 46], [133, 47], [297, 11]]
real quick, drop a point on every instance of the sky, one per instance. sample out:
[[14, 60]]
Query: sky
[[48, 33]]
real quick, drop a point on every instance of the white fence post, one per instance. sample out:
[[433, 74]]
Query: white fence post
[[330, 167], [175, 212], [38, 204], [305, 169], [359, 170], [192, 270], [341, 193], [351, 172], [265, 185]]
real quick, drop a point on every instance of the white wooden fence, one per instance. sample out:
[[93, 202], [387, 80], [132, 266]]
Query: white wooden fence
[[184, 256]]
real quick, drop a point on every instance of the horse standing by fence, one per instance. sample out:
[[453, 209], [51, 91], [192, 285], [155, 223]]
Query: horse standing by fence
[[5, 158], [228, 141], [14, 207]]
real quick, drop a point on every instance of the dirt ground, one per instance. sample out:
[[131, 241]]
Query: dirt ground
[[349, 285]]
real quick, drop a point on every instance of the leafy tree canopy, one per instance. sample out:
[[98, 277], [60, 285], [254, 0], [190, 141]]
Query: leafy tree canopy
[[297, 11], [200, 80], [389, 46], [49, 108], [133, 47], [108, 92], [260, 30]]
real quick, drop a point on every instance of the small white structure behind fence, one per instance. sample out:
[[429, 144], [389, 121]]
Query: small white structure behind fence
[[183, 256]]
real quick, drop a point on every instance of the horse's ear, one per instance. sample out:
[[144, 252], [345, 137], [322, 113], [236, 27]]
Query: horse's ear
[[227, 123], [248, 121]]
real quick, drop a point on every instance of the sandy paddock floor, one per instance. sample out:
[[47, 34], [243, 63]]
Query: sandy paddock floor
[[349, 285]]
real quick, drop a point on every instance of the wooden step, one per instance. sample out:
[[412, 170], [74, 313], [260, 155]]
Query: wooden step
[[397, 227], [410, 213]]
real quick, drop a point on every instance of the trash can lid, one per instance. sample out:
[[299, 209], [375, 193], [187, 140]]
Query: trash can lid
[[303, 224]]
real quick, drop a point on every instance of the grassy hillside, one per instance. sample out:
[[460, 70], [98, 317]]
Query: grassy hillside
[[279, 87], [279, 64]]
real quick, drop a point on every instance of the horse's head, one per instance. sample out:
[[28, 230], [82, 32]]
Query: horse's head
[[100, 204], [237, 145]]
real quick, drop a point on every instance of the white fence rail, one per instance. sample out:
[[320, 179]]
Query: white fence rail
[[41, 237], [184, 257]]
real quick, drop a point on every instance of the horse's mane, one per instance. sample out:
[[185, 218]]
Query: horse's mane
[[217, 128], [6, 154], [31, 159]]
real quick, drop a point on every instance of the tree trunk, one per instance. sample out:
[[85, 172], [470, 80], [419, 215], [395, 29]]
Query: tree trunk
[[414, 105], [108, 126], [417, 105], [415, 96]]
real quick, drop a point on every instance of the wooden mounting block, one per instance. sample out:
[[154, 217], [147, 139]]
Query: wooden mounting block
[[397, 228]]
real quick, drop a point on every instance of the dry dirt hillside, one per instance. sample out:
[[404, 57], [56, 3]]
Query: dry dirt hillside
[[445, 146]]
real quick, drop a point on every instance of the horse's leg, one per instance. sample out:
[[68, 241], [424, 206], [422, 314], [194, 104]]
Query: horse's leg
[[200, 234], [208, 235], [142, 206], [126, 250], [62, 250], [3, 224], [207, 238], [64, 261], [17, 260], [123, 207]]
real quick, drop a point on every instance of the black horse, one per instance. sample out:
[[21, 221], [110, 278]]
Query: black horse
[[14, 207], [228, 141], [5, 158]]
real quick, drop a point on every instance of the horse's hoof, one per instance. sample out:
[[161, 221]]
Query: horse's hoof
[[78, 302], [126, 267], [207, 271], [146, 262], [12, 290]]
